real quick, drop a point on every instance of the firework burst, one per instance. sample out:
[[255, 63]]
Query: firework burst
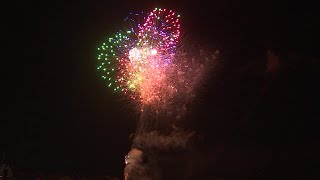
[[139, 61]]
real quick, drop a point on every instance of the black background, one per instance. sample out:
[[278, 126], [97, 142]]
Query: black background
[[58, 115]]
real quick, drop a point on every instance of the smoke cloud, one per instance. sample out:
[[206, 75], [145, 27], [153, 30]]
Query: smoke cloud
[[154, 139], [149, 159]]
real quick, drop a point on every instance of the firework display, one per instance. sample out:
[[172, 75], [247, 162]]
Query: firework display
[[139, 61], [159, 71]]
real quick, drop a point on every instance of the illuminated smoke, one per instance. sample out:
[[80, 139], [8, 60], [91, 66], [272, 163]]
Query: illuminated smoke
[[156, 132], [133, 163], [140, 166]]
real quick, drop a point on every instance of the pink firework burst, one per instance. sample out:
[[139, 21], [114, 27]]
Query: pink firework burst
[[145, 65]]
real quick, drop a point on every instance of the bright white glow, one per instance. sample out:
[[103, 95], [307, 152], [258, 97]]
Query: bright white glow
[[141, 54], [134, 54], [153, 52]]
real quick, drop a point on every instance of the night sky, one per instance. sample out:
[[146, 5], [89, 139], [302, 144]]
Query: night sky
[[58, 115]]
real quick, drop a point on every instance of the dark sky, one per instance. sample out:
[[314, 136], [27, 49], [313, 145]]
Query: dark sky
[[58, 115]]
